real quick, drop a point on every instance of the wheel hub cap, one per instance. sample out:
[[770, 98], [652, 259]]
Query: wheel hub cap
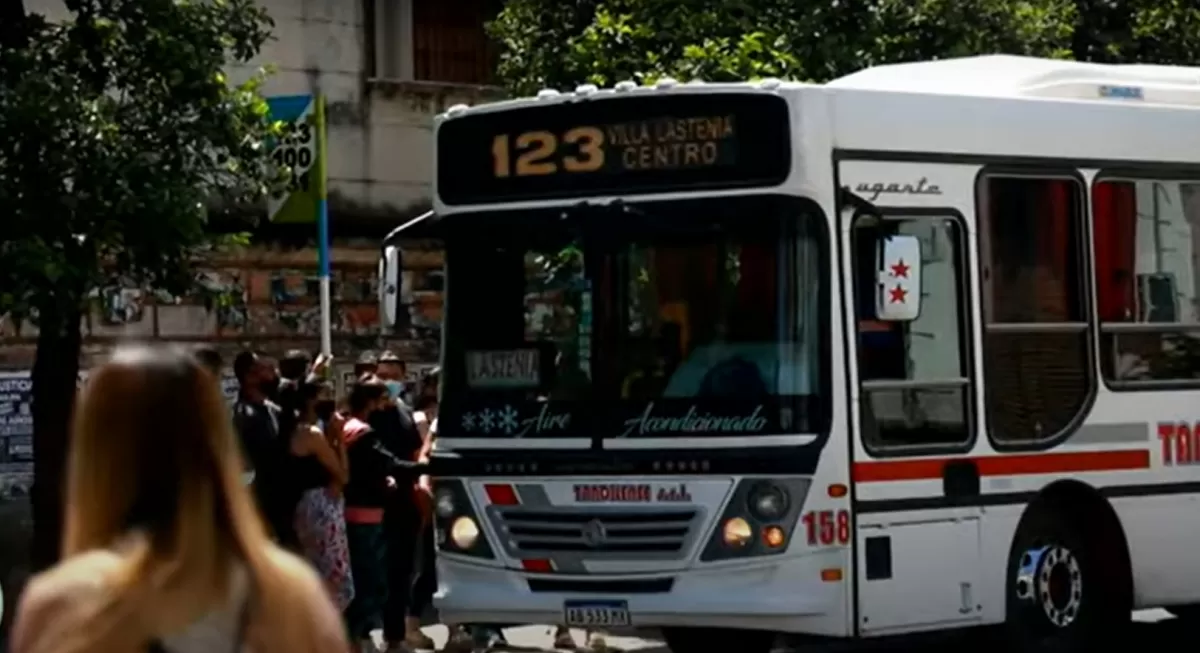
[[1049, 579]]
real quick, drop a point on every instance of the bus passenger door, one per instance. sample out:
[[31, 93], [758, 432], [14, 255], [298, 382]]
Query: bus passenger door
[[917, 547]]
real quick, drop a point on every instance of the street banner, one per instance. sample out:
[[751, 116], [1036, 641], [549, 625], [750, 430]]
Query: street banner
[[302, 148]]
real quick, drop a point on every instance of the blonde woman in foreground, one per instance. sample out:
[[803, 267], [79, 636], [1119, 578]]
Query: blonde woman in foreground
[[163, 550]]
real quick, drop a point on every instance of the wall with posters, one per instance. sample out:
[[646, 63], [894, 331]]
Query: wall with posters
[[264, 297], [16, 432]]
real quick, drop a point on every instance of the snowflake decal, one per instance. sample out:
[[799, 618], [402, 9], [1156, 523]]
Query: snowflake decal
[[487, 420], [508, 419], [468, 421]]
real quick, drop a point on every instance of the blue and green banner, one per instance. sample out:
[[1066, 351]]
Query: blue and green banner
[[302, 148]]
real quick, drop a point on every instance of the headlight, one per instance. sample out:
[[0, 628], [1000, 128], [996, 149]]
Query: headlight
[[444, 504], [768, 502], [737, 532], [464, 532], [758, 519], [457, 527]]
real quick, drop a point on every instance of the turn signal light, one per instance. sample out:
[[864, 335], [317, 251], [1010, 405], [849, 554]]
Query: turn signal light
[[773, 537], [832, 575]]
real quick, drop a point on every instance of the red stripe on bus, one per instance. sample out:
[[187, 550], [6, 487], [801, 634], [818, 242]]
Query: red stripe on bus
[[1004, 465]]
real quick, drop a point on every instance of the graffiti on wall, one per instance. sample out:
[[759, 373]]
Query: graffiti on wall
[[263, 292]]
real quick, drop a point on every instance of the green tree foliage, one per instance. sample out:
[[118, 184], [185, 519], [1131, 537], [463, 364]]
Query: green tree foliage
[[560, 43], [118, 131]]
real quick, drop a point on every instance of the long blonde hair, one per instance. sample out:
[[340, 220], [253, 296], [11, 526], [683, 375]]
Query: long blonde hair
[[155, 475]]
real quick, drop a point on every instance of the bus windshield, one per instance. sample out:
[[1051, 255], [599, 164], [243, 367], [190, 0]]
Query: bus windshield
[[684, 318]]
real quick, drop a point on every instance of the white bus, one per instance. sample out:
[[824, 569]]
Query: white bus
[[913, 350]]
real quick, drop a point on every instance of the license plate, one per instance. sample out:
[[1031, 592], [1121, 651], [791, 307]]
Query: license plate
[[592, 614]]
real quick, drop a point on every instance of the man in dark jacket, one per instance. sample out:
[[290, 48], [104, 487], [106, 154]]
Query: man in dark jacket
[[257, 421], [402, 525]]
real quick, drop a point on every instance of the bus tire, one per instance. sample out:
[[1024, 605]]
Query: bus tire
[[1064, 593], [704, 640]]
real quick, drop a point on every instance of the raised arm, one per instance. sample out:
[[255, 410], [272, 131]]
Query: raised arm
[[335, 435], [310, 441]]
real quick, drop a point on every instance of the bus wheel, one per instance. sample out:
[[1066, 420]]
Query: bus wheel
[[704, 640], [1062, 593]]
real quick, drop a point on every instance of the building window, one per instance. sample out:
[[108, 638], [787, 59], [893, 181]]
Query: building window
[[915, 376], [1147, 244], [1037, 362], [435, 41]]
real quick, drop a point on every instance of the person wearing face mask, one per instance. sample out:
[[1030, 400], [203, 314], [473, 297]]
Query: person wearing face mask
[[405, 512], [256, 417], [394, 373], [376, 473], [319, 471]]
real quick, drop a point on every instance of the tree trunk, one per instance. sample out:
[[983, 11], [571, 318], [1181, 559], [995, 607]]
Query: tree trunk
[[55, 376]]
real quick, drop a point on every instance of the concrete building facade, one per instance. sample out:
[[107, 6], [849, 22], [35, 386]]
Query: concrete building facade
[[385, 67]]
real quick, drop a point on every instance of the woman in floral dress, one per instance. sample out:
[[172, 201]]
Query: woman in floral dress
[[320, 471]]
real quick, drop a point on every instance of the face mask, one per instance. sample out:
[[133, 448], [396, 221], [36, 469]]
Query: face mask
[[395, 389], [270, 387], [324, 409]]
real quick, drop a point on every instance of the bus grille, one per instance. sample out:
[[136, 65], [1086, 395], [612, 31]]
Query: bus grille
[[533, 532]]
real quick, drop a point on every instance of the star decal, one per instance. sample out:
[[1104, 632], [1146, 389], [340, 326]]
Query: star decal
[[898, 295], [900, 269]]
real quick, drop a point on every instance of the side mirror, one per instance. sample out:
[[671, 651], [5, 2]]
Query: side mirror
[[898, 278], [390, 270]]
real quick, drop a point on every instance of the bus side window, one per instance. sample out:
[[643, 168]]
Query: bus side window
[[916, 390], [1037, 365], [1146, 236]]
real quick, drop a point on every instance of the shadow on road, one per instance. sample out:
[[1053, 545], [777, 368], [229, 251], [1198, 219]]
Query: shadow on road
[[1164, 636], [1161, 637]]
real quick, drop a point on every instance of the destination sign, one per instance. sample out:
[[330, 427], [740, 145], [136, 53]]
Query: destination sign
[[614, 145]]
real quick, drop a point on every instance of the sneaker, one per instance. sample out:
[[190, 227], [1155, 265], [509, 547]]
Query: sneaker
[[367, 646], [419, 641]]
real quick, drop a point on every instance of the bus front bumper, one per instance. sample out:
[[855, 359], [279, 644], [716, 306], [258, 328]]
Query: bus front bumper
[[782, 595]]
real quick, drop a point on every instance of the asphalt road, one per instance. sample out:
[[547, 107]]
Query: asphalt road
[[1155, 630]]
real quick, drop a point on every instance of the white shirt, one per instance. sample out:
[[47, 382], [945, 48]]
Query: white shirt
[[218, 630]]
